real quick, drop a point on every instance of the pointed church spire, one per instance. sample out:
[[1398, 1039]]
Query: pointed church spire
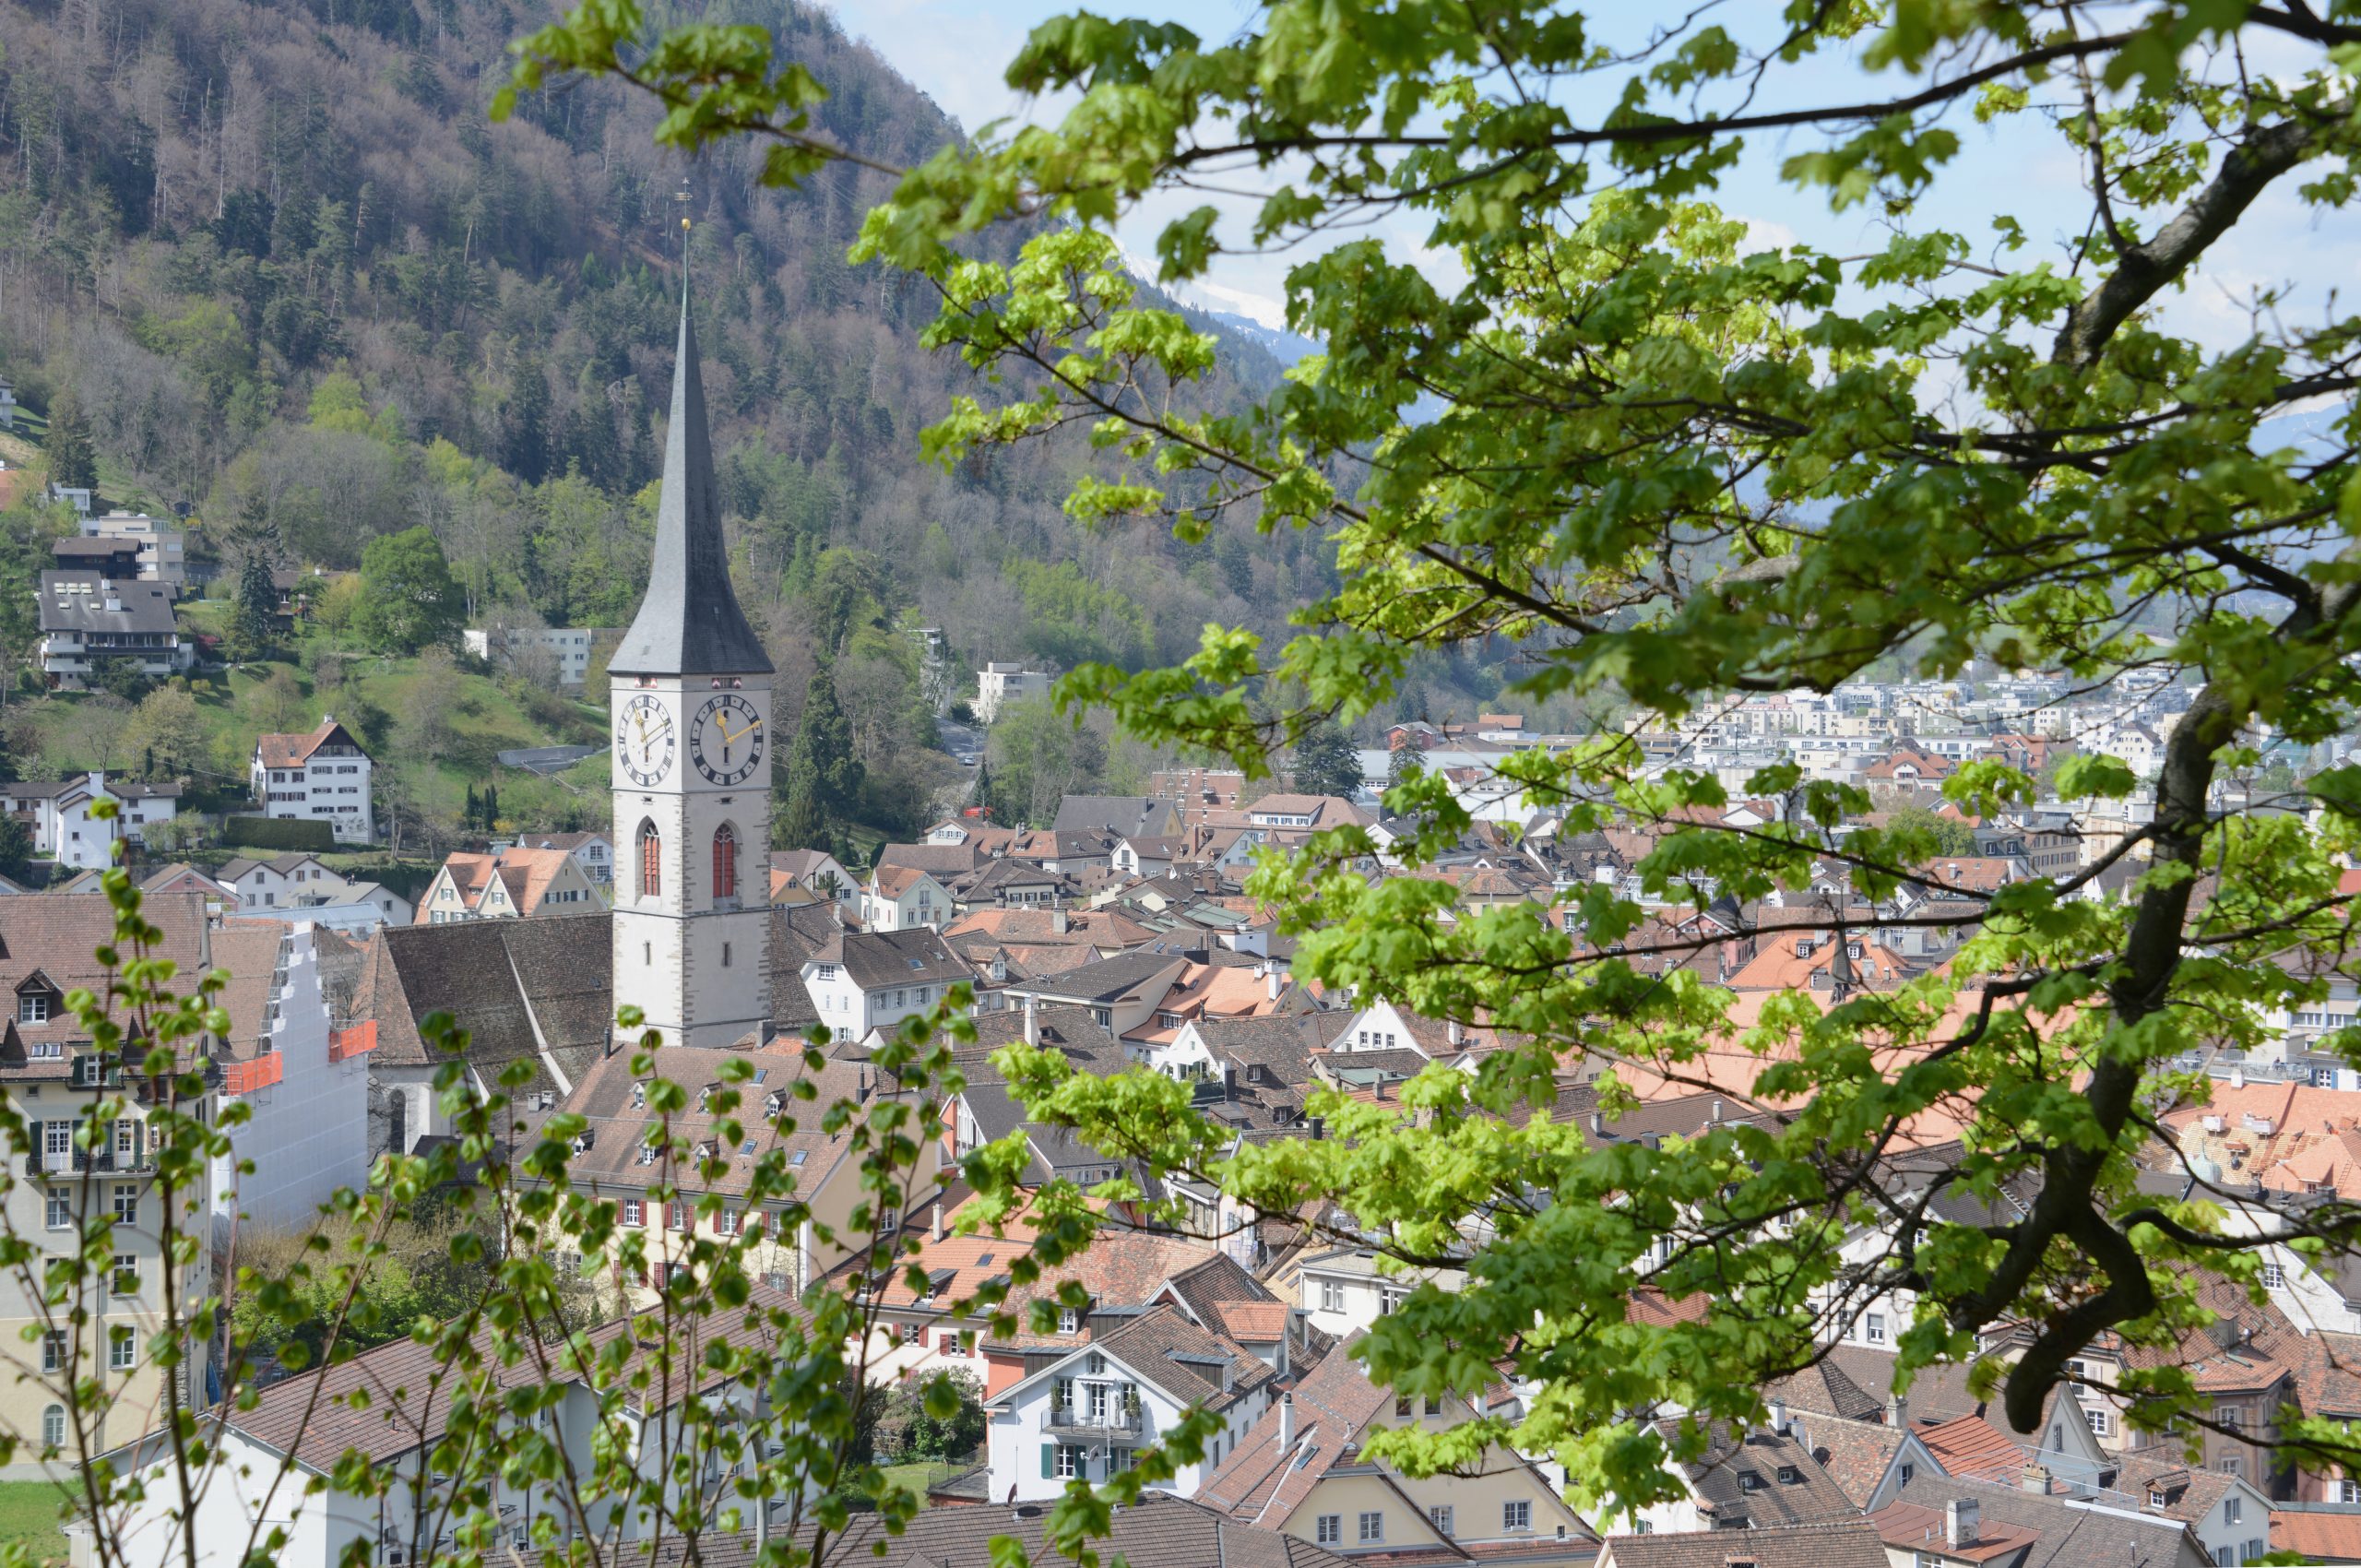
[[689, 623]]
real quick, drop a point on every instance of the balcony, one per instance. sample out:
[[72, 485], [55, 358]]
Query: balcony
[[1113, 1420], [105, 1162]]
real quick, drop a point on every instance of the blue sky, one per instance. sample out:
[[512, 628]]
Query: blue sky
[[955, 53]]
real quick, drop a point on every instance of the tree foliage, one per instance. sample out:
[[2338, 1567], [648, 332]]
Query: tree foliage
[[411, 602], [1668, 464], [1326, 763]]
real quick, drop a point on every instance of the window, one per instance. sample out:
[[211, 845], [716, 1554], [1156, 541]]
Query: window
[[123, 1350], [127, 1274], [1516, 1516], [53, 1427], [651, 862], [1401, 1407], [2230, 1509], [728, 1224], [2102, 1420], [1069, 1320], [53, 1354], [2232, 1465], [34, 1007], [1440, 1514], [632, 1212], [2275, 1278], [1069, 1461], [127, 1203], [1874, 1330], [1329, 1530], [2348, 1491], [725, 954], [1332, 1296], [1908, 1471], [725, 863], [677, 1216], [60, 1208], [1373, 1526]]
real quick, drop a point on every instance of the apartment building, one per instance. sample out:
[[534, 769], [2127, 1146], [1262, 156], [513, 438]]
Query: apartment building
[[319, 777]]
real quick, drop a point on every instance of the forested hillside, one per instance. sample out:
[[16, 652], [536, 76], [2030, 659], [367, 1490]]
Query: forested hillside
[[297, 279]]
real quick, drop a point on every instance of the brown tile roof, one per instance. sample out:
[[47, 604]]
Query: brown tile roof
[[291, 750], [2049, 1532], [2329, 1537], [1855, 1454], [56, 936], [249, 950], [1972, 1447], [1847, 1543]]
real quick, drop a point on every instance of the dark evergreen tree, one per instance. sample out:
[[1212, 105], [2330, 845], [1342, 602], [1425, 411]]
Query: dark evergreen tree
[[1326, 763], [823, 746], [16, 845], [258, 603], [72, 456], [526, 448], [473, 811]]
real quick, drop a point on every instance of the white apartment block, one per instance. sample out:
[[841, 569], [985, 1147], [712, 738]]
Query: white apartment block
[[322, 776], [305, 1085], [997, 683], [570, 646], [162, 548]]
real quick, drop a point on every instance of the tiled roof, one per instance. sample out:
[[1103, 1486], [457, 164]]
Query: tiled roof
[[1972, 1447], [514, 985], [1847, 1543], [1262, 1479], [1768, 1478], [1855, 1454], [2322, 1537], [290, 751], [1184, 1361], [2063, 1533], [249, 950], [875, 958], [1158, 1531], [57, 935]]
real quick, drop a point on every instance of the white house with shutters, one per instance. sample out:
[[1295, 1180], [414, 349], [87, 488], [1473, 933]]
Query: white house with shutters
[[1086, 1414], [321, 776]]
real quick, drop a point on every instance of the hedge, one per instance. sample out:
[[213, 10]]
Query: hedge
[[279, 833]]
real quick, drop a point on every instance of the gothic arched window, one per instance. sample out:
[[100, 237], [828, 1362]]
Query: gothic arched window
[[651, 862], [725, 863]]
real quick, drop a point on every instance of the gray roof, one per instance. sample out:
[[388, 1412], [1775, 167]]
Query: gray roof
[[1158, 1531], [915, 956], [1125, 815], [147, 607], [1847, 1543], [689, 623], [2066, 1534], [1110, 978], [1769, 1478]]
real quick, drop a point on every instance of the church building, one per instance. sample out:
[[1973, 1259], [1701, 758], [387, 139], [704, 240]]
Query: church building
[[689, 691], [693, 940]]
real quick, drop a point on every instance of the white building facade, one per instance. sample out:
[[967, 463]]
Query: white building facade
[[307, 1099], [321, 776]]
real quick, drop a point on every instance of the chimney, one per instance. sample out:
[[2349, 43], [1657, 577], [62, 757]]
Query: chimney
[[1286, 1424], [1960, 1521], [2037, 1478], [1059, 921], [1454, 1032], [1277, 982], [2238, 1078], [1779, 1418], [1717, 1108], [1032, 1022], [935, 1225], [1897, 1412]]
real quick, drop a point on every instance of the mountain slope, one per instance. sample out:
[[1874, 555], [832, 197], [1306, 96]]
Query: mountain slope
[[299, 280]]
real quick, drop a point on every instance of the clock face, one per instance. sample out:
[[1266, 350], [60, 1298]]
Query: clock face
[[726, 740], [644, 741]]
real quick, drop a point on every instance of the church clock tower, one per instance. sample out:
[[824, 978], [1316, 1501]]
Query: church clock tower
[[690, 692]]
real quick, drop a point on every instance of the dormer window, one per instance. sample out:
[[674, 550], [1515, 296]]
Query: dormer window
[[33, 1007]]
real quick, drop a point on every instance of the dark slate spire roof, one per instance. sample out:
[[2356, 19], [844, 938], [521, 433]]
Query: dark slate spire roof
[[690, 623]]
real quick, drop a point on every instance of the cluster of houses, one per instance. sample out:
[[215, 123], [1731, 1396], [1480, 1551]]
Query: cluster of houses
[[1121, 936]]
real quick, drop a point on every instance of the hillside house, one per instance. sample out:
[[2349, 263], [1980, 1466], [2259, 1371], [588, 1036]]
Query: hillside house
[[320, 777]]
